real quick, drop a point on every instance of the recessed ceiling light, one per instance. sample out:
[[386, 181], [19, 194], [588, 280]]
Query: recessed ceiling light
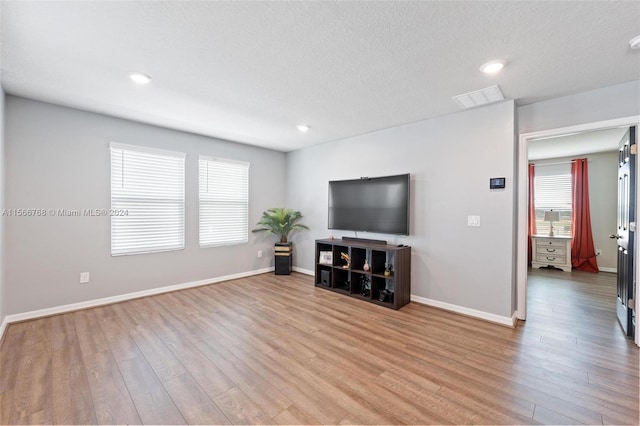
[[492, 67], [635, 42], [139, 77], [303, 127]]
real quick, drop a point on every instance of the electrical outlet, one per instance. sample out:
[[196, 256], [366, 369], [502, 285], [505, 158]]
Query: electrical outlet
[[84, 277], [473, 220], [598, 252], [259, 253]]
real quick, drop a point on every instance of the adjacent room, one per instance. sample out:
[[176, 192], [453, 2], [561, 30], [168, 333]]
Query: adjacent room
[[355, 212]]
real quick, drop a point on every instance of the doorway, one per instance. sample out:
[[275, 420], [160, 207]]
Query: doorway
[[528, 140]]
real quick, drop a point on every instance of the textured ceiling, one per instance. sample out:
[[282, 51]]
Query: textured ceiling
[[250, 71]]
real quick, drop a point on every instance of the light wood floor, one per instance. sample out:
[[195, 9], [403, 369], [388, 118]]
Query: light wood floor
[[275, 350]]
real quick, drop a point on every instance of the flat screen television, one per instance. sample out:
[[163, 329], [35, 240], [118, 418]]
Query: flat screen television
[[378, 204]]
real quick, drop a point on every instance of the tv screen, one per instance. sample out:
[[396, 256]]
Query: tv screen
[[379, 204]]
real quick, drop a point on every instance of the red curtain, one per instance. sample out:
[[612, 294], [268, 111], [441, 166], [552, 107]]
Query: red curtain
[[532, 209], [583, 254]]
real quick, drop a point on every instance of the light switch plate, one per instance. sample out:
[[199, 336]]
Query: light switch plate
[[473, 220]]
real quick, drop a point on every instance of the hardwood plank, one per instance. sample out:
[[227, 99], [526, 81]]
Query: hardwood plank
[[350, 420], [168, 306], [325, 384], [10, 359], [548, 417], [111, 399], [43, 417], [435, 404], [316, 404], [539, 392], [165, 365], [6, 401], [122, 346], [153, 404], [380, 398], [446, 376], [63, 333], [32, 388], [293, 415], [194, 404], [629, 388], [490, 407], [90, 334], [239, 409], [72, 402], [208, 375], [614, 420], [260, 391]]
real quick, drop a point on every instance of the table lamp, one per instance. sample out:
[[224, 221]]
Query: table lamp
[[551, 217]]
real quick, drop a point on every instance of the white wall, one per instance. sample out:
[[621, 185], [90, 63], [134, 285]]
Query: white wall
[[622, 100], [58, 158], [603, 193], [3, 307], [451, 159]]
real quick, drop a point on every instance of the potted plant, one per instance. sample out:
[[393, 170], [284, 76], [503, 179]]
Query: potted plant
[[281, 222]]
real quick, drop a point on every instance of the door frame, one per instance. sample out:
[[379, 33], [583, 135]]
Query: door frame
[[523, 200]]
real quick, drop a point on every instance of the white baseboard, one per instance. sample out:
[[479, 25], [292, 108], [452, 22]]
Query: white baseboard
[[605, 269], [3, 327], [486, 316], [122, 297], [303, 271]]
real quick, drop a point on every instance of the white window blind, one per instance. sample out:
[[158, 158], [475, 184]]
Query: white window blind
[[148, 185], [224, 201], [552, 191]]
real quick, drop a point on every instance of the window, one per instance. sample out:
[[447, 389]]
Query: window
[[552, 191], [147, 187], [224, 202]]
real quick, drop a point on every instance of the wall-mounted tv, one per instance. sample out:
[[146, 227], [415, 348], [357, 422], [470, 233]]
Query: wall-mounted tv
[[378, 204]]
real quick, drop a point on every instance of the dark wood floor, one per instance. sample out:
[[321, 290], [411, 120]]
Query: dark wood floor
[[275, 350]]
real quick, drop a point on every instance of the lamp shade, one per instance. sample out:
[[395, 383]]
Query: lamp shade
[[551, 216]]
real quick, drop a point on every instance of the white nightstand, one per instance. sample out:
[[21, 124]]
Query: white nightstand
[[551, 251]]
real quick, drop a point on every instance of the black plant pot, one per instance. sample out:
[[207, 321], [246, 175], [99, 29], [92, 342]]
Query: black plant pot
[[283, 258]]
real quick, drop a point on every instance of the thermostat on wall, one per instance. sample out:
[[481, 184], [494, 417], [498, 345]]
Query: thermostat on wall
[[496, 183]]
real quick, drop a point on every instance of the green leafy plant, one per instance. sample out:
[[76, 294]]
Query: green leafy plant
[[281, 222]]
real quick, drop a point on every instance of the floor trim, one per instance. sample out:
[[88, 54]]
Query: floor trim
[[486, 316], [303, 271], [122, 297], [606, 269], [3, 327]]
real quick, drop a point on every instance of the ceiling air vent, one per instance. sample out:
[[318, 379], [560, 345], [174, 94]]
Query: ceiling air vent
[[485, 96]]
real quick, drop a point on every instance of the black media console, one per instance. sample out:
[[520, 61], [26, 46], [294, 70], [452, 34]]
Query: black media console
[[386, 283]]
